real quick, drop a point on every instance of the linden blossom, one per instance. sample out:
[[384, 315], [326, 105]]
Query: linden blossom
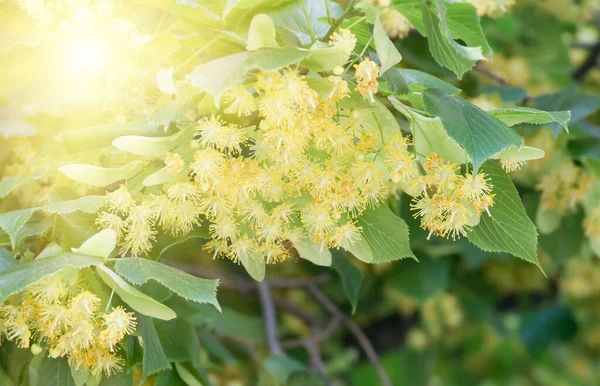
[[69, 321]]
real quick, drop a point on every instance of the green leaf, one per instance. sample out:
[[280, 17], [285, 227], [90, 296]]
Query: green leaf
[[163, 176], [281, 368], [292, 19], [464, 24], [350, 276], [80, 377], [139, 271], [479, 133], [421, 280], [220, 74], [38, 226], [55, 372], [228, 323], [6, 260], [386, 50], [8, 184], [102, 135], [140, 302], [420, 81], [178, 339], [153, 146], [547, 220], [313, 253], [120, 379], [262, 33], [99, 176], [459, 59], [515, 115], [519, 154], [191, 374], [17, 278], [508, 229], [86, 204], [169, 378], [155, 359], [12, 222], [254, 266], [571, 99], [550, 324], [565, 241], [429, 135], [386, 234], [324, 57], [101, 244], [588, 147]]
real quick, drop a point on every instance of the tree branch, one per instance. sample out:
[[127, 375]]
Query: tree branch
[[490, 74], [590, 62], [315, 357], [270, 319], [360, 336], [498, 79]]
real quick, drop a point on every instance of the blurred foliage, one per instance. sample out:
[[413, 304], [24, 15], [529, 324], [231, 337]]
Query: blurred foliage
[[454, 315]]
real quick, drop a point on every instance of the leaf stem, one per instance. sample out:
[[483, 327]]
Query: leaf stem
[[339, 20], [313, 37]]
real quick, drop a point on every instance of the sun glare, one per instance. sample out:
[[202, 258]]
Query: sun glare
[[88, 55]]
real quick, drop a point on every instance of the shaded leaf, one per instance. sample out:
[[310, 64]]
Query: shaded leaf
[[350, 277], [508, 229], [479, 133], [386, 234], [139, 271], [137, 300]]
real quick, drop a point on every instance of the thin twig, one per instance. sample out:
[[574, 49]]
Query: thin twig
[[315, 357], [498, 79], [270, 319], [360, 336], [490, 74], [297, 311], [339, 20], [298, 283], [317, 335], [590, 62]]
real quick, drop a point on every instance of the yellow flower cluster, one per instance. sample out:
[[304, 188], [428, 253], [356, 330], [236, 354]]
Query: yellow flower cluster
[[366, 75], [395, 24], [448, 203], [492, 8], [70, 322], [564, 187], [305, 175]]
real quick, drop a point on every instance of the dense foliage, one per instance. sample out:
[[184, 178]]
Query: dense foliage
[[394, 192]]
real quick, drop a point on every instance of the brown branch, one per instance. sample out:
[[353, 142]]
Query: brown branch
[[317, 335], [360, 336], [315, 357], [297, 311], [590, 62], [298, 283], [270, 319], [490, 74], [498, 79], [243, 284]]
